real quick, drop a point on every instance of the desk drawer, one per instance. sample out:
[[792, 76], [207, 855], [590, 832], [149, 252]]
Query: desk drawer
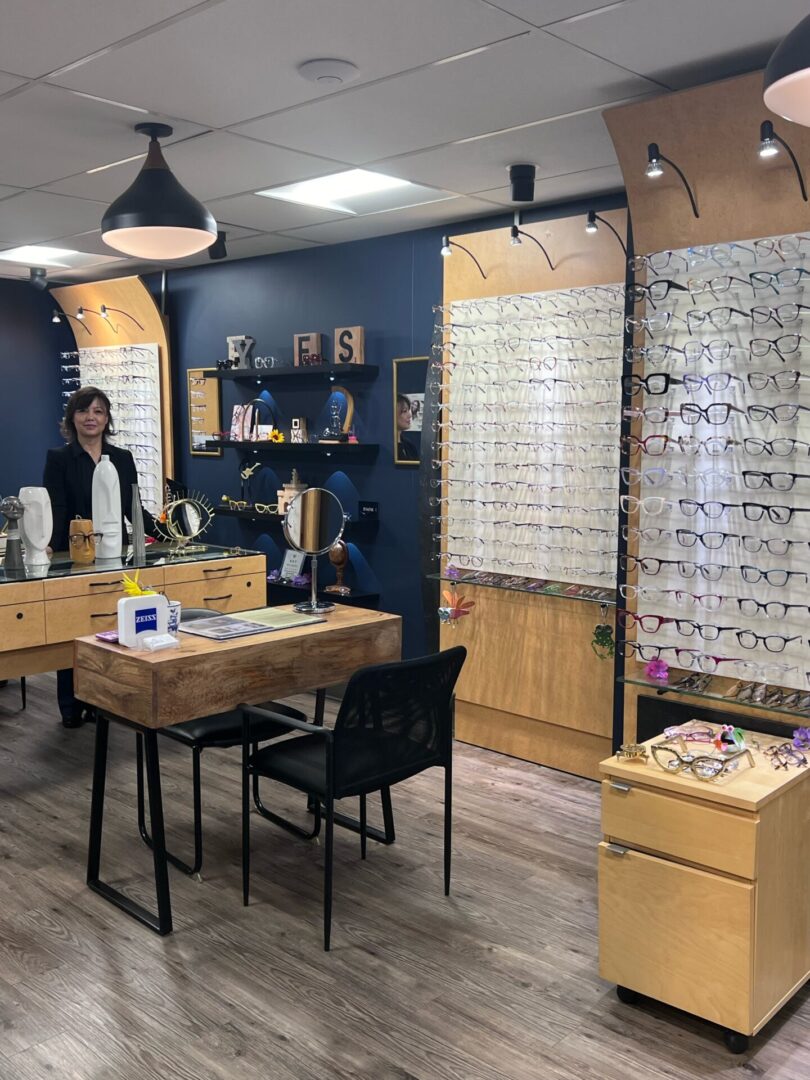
[[214, 569], [679, 935], [681, 827], [98, 585], [75, 616], [21, 625], [24, 592], [233, 594]]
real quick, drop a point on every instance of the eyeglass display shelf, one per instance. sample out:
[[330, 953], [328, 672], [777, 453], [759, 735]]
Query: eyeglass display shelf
[[287, 593], [317, 373], [338, 451], [663, 688], [591, 594], [350, 528]]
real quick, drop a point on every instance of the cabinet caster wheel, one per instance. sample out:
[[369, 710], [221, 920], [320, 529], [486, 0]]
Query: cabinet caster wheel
[[735, 1042], [627, 996]]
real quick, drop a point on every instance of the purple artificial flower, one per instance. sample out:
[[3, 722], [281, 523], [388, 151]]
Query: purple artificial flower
[[658, 670]]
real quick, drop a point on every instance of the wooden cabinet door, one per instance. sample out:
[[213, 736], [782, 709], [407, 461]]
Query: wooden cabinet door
[[678, 935]]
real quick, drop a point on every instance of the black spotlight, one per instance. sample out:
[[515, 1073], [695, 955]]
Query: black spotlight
[[218, 249], [38, 277], [521, 177]]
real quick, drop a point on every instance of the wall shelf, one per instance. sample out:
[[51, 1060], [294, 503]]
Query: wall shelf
[[317, 374], [589, 594], [300, 451], [353, 528], [285, 594], [664, 688]]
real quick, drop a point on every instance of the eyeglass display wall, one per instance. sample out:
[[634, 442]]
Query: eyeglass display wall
[[718, 558], [130, 377], [527, 435]]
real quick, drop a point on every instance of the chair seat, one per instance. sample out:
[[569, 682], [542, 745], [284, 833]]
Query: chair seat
[[301, 762], [224, 730]]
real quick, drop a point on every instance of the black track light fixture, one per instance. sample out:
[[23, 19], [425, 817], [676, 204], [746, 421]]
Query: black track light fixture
[[515, 234], [591, 226], [655, 169], [521, 178], [218, 249], [447, 251], [58, 315], [38, 277], [769, 143], [104, 312], [156, 218]]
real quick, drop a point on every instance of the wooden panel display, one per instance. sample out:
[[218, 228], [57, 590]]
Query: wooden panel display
[[532, 685], [712, 134], [204, 412]]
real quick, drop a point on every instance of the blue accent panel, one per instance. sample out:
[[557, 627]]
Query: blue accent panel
[[29, 367]]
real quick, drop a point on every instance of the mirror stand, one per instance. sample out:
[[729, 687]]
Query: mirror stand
[[314, 606]]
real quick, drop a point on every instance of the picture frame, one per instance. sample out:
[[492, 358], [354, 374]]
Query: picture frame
[[292, 564], [409, 382]]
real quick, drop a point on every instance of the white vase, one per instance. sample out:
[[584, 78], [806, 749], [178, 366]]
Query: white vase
[[36, 525], [107, 509]]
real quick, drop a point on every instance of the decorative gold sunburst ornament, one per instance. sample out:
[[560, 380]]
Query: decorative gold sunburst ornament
[[186, 519]]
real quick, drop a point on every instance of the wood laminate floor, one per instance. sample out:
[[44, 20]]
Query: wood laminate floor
[[498, 982]]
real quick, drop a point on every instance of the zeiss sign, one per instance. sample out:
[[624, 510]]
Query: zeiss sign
[[145, 620]]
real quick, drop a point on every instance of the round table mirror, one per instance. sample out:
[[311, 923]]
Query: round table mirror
[[314, 522]]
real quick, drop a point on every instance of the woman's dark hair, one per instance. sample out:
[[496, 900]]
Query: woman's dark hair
[[403, 399], [82, 399]]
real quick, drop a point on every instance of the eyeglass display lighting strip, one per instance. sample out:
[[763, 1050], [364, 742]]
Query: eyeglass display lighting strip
[[527, 435], [718, 482], [130, 377]]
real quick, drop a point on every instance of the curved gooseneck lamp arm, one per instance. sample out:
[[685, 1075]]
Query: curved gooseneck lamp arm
[[447, 249], [654, 157]]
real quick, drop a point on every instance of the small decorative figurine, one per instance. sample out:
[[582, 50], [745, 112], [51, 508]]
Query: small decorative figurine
[[456, 607], [339, 558], [603, 644], [82, 541], [729, 739]]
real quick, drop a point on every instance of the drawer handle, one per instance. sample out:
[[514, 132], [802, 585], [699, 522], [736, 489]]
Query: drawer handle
[[228, 597], [104, 615], [103, 585], [217, 569], [616, 849], [617, 786]]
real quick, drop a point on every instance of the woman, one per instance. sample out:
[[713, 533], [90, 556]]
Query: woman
[[406, 450], [86, 429]]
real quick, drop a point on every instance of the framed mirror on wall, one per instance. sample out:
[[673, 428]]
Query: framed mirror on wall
[[410, 377]]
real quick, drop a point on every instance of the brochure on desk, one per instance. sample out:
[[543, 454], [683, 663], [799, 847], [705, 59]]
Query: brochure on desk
[[261, 621]]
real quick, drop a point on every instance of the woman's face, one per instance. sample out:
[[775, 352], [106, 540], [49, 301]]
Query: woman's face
[[92, 421], [403, 416]]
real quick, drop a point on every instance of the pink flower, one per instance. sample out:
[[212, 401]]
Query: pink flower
[[657, 669]]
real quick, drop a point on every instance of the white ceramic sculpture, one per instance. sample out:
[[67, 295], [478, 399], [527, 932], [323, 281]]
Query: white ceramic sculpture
[[107, 509], [36, 525]]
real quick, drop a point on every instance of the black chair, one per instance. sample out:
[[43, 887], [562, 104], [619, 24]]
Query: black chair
[[222, 730], [395, 721]]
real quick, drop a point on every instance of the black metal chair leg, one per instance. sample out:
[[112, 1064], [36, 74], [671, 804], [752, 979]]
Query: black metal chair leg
[[23, 692], [327, 877], [197, 797], [382, 836], [448, 814], [283, 823], [362, 826]]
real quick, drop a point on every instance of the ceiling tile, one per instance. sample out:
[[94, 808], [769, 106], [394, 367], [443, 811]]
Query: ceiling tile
[[544, 12], [36, 216], [416, 217], [517, 82], [238, 59], [211, 166], [563, 188], [263, 244], [555, 147], [9, 82], [266, 215], [40, 37], [688, 42], [55, 133]]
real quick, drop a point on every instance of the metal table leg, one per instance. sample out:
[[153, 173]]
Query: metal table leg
[[162, 922]]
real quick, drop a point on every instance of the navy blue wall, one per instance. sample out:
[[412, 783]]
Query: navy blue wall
[[29, 365]]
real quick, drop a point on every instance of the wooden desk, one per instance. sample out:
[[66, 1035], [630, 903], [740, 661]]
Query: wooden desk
[[703, 888], [149, 691]]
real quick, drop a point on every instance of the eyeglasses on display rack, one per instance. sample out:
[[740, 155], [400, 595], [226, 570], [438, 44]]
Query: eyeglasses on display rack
[[655, 445], [652, 324], [778, 481], [719, 317], [753, 575], [783, 313], [658, 261], [771, 609], [779, 515], [657, 383], [687, 658], [655, 291], [788, 278]]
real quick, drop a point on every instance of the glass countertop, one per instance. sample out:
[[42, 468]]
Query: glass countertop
[[61, 565], [591, 594], [662, 688]]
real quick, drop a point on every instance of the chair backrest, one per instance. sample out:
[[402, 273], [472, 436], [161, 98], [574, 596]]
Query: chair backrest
[[396, 719]]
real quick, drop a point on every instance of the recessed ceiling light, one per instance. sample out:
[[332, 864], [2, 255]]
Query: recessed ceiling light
[[38, 255], [338, 191]]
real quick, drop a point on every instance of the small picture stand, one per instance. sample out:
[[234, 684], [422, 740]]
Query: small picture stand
[[292, 565]]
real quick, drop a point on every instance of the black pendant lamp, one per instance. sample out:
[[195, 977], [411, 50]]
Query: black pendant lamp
[[787, 76], [156, 218]]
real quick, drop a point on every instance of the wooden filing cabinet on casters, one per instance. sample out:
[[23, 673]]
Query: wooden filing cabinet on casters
[[703, 890]]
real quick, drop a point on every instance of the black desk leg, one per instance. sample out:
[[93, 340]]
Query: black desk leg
[[162, 922]]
